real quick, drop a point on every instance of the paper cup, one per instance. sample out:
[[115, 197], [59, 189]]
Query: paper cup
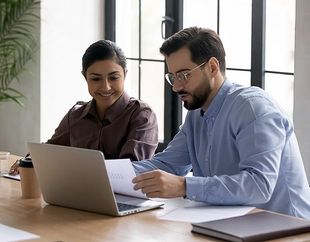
[[4, 162], [28, 179]]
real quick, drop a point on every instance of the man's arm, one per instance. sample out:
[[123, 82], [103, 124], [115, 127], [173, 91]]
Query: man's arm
[[162, 176], [174, 159]]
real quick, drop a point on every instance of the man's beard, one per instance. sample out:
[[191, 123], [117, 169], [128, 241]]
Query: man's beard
[[199, 98]]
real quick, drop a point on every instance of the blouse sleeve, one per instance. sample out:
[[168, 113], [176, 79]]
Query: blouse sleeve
[[142, 137], [61, 135]]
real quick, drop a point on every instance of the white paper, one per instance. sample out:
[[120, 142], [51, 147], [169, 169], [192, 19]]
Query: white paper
[[14, 177], [195, 212], [11, 234], [121, 173]]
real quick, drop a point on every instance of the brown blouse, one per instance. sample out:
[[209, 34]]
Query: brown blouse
[[129, 129]]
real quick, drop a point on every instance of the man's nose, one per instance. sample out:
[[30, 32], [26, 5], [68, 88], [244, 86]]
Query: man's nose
[[177, 85]]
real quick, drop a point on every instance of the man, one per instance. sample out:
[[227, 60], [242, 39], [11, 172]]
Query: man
[[238, 142]]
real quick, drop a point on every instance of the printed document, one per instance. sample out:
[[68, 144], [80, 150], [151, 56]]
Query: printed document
[[121, 173]]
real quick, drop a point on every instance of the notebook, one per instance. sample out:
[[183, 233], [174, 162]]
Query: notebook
[[77, 178], [253, 227]]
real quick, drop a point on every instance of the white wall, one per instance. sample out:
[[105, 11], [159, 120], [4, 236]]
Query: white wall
[[19, 124], [55, 83], [302, 80]]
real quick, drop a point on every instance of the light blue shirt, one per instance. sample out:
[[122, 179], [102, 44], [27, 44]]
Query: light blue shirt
[[242, 150]]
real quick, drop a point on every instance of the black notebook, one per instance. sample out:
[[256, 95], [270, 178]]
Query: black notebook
[[258, 226]]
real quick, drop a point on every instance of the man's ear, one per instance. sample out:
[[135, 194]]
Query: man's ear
[[214, 66]]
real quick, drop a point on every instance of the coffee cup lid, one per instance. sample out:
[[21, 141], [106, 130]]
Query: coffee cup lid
[[25, 162]]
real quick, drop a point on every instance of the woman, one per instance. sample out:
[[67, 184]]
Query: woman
[[118, 125]]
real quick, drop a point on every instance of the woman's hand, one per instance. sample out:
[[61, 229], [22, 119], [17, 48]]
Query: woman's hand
[[14, 168]]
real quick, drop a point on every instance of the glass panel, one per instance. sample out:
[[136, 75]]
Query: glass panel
[[127, 27], [281, 88], [235, 32], [132, 78], [240, 77], [201, 13], [152, 90], [280, 35], [151, 28]]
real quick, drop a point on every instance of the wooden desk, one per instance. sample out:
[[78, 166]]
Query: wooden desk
[[53, 223]]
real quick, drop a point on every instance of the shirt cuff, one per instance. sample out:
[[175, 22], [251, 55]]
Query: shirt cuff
[[191, 192]]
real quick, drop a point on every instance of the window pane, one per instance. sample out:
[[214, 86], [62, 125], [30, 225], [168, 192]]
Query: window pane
[[281, 88], [235, 32], [240, 77], [152, 90], [151, 39], [132, 78], [201, 13], [127, 27], [280, 35]]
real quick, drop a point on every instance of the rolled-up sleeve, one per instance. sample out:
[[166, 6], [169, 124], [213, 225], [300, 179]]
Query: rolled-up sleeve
[[142, 139]]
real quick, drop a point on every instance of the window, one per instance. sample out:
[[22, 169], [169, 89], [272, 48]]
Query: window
[[280, 46], [138, 33]]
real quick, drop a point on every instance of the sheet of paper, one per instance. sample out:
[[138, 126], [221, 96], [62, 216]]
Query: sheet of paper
[[195, 212], [121, 173], [14, 177], [11, 234]]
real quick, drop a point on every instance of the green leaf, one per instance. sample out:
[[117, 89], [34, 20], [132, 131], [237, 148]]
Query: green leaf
[[17, 43]]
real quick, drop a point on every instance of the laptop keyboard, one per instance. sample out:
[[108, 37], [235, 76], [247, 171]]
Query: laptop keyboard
[[124, 206]]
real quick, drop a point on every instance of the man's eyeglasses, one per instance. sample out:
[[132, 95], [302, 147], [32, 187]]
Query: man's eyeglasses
[[181, 76]]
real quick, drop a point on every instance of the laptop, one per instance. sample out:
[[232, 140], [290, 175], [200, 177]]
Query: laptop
[[77, 178]]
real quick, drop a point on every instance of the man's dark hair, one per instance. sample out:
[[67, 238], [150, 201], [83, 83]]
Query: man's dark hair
[[202, 43], [103, 50]]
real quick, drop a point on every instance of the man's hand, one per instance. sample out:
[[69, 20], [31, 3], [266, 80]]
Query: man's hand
[[160, 184]]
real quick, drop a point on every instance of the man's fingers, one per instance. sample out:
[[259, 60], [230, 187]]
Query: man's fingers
[[154, 195], [144, 176], [150, 189], [145, 183], [160, 184]]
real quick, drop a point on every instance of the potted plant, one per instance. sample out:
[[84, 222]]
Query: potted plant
[[18, 20]]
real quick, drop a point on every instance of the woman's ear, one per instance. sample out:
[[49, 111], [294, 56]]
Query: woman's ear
[[125, 73], [83, 73]]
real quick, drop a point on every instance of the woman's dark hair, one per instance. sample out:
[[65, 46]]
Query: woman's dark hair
[[103, 50], [202, 43]]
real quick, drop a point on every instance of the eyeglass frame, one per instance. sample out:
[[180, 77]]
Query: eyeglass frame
[[181, 75]]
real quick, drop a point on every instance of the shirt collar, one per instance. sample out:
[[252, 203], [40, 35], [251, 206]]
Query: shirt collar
[[118, 107], [112, 112], [217, 101]]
